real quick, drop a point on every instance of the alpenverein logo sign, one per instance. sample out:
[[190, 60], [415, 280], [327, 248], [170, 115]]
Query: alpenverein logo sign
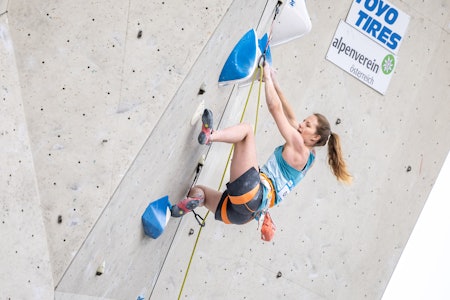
[[372, 65]]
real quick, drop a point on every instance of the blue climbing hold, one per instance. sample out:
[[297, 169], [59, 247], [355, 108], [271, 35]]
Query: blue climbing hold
[[242, 61], [156, 216]]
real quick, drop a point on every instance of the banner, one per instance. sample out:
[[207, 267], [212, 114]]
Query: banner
[[380, 21], [361, 57]]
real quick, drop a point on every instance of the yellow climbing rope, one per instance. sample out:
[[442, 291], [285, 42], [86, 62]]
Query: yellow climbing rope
[[261, 71]]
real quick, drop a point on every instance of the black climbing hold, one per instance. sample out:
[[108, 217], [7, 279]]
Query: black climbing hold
[[59, 219], [338, 121], [279, 274], [408, 169], [139, 35], [202, 89], [191, 231]]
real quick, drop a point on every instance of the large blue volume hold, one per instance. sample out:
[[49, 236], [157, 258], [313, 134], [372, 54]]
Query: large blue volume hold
[[156, 216]]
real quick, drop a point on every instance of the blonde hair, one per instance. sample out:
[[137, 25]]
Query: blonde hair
[[335, 157]]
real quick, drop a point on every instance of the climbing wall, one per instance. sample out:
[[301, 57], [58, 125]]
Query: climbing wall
[[24, 256], [99, 107], [101, 90]]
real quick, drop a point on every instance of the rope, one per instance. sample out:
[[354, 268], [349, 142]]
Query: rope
[[261, 71], [225, 169]]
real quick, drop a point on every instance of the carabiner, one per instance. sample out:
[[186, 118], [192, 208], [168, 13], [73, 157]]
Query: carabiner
[[200, 219], [263, 59]]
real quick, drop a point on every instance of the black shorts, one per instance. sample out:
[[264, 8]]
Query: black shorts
[[241, 199]]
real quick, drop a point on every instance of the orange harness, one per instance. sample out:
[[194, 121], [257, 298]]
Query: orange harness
[[267, 182]]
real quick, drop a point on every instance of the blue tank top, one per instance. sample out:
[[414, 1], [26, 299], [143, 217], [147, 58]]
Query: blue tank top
[[284, 177]]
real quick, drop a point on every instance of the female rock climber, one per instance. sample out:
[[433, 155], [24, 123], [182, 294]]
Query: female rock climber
[[251, 190]]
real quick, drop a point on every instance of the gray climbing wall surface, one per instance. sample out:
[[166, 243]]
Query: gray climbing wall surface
[[24, 255], [98, 119]]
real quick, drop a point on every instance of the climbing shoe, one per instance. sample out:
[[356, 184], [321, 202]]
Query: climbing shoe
[[185, 206], [207, 124]]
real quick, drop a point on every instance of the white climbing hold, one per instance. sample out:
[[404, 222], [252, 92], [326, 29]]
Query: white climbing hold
[[198, 113], [101, 269]]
